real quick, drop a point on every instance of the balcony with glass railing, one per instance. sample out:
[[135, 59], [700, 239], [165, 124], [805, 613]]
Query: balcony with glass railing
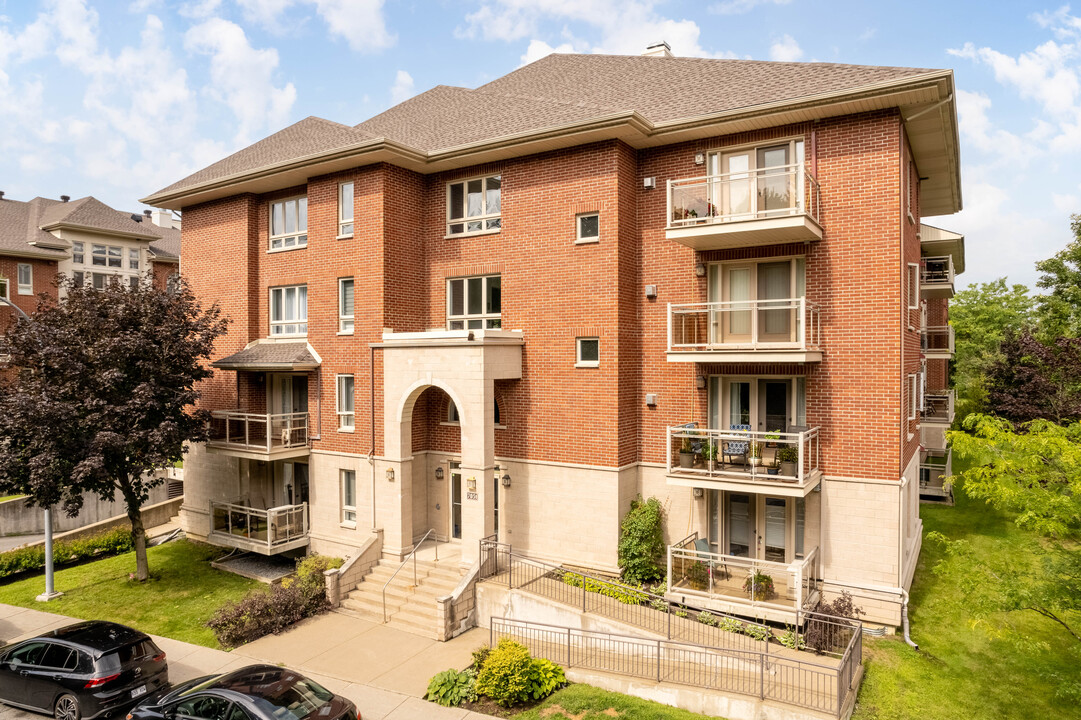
[[936, 276], [938, 407], [766, 206], [259, 436], [937, 342], [786, 330], [266, 531], [742, 460], [935, 466]]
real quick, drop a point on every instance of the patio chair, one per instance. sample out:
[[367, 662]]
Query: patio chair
[[736, 448], [701, 548]]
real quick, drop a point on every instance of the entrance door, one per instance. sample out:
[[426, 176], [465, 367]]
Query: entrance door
[[774, 181], [300, 484], [456, 500], [774, 296], [776, 405], [773, 529], [289, 394], [495, 496], [741, 526], [737, 185]]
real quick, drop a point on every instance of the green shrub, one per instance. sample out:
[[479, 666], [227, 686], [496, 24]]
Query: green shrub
[[707, 618], [681, 614], [451, 688], [791, 639], [545, 678], [758, 632], [506, 674], [105, 544], [641, 542], [730, 624], [622, 593], [480, 656], [312, 582]]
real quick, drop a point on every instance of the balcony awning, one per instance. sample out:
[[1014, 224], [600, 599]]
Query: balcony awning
[[270, 356]]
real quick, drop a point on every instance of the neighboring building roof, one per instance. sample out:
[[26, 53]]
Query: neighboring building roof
[[635, 98], [24, 227], [271, 355]]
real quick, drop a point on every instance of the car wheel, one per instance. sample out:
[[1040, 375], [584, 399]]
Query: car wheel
[[67, 708]]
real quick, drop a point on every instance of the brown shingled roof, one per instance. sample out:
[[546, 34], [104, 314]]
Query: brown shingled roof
[[19, 226], [92, 213], [270, 356], [556, 91]]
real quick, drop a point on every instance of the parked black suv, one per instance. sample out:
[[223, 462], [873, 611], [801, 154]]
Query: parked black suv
[[82, 671], [255, 692]]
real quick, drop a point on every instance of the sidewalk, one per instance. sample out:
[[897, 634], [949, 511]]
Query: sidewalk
[[383, 670]]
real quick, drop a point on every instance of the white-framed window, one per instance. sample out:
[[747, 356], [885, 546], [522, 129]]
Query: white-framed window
[[78, 253], [345, 210], [99, 280], [107, 256], [133, 282], [474, 303], [289, 223], [5, 289], [474, 205], [912, 286], [346, 412], [289, 310], [133, 259], [79, 277], [912, 396], [589, 228], [349, 496], [589, 352], [26, 279], [345, 305]]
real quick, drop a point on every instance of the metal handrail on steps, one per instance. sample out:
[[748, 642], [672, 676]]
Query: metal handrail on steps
[[412, 554]]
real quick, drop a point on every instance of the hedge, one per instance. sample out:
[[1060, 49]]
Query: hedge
[[113, 542]]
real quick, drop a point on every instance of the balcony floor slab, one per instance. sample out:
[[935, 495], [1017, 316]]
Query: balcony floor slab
[[745, 356], [748, 484]]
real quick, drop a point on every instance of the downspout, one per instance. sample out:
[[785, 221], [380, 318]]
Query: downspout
[[894, 591], [904, 619], [371, 453]]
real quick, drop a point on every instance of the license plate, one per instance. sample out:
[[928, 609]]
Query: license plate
[[141, 690]]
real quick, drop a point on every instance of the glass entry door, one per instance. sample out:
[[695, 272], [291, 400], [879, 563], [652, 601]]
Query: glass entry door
[[737, 291], [456, 500], [756, 526], [741, 526], [774, 295]]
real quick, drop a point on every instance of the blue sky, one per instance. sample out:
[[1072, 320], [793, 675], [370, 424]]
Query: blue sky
[[118, 99]]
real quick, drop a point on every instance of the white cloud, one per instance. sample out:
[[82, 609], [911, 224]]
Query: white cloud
[[868, 34], [539, 49], [1065, 204], [199, 9], [1005, 147], [1047, 74], [358, 22], [402, 89], [242, 77], [624, 27], [786, 49], [738, 7], [266, 13]]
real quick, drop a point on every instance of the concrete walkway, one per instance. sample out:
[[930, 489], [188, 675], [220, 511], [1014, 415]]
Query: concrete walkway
[[383, 670]]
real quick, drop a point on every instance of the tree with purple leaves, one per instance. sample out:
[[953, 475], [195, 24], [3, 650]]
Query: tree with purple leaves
[[1035, 380], [102, 395]]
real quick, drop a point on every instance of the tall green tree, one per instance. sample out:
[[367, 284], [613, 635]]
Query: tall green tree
[[1033, 473], [103, 396], [1060, 276], [981, 316]]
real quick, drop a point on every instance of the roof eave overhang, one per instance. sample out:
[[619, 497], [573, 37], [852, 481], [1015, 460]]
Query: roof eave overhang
[[942, 195], [99, 231], [54, 256], [266, 367]]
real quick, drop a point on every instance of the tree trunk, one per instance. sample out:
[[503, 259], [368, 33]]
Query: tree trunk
[[138, 537]]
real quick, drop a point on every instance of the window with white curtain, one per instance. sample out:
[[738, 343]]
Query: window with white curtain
[[349, 496], [801, 401], [346, 408], [289, 310], [289, 223], [26, 279], [474, 205]]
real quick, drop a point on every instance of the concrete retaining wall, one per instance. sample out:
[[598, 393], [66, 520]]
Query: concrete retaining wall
[[153, 515]]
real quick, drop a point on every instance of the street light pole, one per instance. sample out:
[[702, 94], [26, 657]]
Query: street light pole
[[50, 591]]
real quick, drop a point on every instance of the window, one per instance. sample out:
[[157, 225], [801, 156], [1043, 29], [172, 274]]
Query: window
[[99, 280], [26, 279], [349, 496], [589, 228], [107, 256], [289, 310], [346, 418], [133, 282], [474, 303], [116, 257], [289, 223], [345, 209], [453, 417], [172, 283], [912, 396], [473, 206], [97, 255], [133, 259], [77, 253], [589, 352], [913, 286], [79, 277], [345, 305], [5, 289]]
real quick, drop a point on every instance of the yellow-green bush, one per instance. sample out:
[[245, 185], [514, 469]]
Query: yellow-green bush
[[506, 674]]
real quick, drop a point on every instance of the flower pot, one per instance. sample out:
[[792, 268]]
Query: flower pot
[[686, 459], [788, 468], [773, 470]]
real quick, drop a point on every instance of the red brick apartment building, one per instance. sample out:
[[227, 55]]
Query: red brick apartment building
[[510, 310], [83, 238]]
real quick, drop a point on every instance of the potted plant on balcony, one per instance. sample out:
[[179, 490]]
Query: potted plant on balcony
[[709, 453], [686, 453], [759, 585], [754, 453], [774, 467], [788, 456]]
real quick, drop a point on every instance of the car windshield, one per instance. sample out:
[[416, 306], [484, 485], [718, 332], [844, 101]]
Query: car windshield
[[293, 698]]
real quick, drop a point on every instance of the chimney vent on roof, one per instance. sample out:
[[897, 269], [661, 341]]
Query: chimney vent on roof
[[1, 194], [146, 213], [658, 49], [65, 198], [137, 218]]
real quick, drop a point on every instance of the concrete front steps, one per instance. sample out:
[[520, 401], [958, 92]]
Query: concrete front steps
[[411, 608]]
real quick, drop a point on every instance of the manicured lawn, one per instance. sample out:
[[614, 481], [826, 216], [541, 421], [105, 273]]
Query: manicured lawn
[[182, 594], [959, 671], [602, 705]]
